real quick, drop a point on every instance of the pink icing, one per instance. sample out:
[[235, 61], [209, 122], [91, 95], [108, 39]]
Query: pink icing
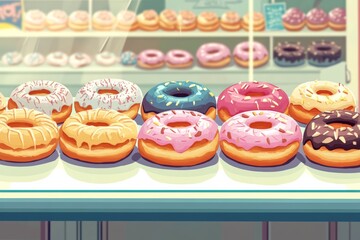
[[338, 16], [294, 16], [235, 98], [317, 16], [212, 52], [283, 132], [242, 51], [151, 56], [178, 57], [180, 138]]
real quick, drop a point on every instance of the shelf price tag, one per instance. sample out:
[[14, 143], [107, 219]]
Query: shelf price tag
[[10, 14], [273, 16]]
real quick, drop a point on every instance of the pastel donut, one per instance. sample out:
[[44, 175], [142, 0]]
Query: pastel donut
[[103, 21], [242, 56], [3, 103], [106, 58], [208, 21], [258, 22], [337, 19], [148, 20], [294, 19], [289, 54], [213, 55], [34, 59], [57, 59], [11, 58], [179, 59], [34, 20], [317, 19], [230, 21], [324, 53], [151, 59], [78, 60], [168, 20], [126, 20], [128, 58], [79, 20], [56, 20], [186, 21]]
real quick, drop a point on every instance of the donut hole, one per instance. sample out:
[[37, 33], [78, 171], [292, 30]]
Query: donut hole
[[40, 92], [324, 92], [255, 94], [178, 124], [108, 91], [179, 92], [213, 51], [290, 49], [179, 55], [97, 124], [248, 49], [151, 55], [20, 124], [339, 124], [323, 48], [261, 125]]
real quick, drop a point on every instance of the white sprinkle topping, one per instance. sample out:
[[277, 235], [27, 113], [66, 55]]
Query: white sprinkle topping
[[168, 104], [247, 98]]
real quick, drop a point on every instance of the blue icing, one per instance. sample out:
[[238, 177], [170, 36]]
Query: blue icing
[[285, 63], [325, 63], [128, 58]]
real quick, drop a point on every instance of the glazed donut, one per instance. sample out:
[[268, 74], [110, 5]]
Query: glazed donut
[[2, 103], [189, 137], [208, 21], [260, 54], [332, 139], [34, 59], [78, 60], [151, 59], [128, 58], [103, 21], [79, 21], [168, 20], [49, 97], [337, 19], [213, 55], [57, 59], [116, 94], [248, 96], [230, 21], [324, 53], [26, 135], [106, 59], [294, 19], [34, 20], [148, 20], [317, 19], [11, 58], [126, 21], [179, 59], [179, 95], [258, 19], [98, 136], [251, 137], [289, 54], [56, 20], [186, 21]]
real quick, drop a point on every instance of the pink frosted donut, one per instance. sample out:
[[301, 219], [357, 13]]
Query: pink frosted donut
[[260, 54], [34, 20], [151, 59], [294, 19], [213, 55], [337, 19], [317, 19], [178, 59], [189, 137], [247, 96], [253, 136]]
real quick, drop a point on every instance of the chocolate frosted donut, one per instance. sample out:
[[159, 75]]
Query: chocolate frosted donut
[[324, 53], [332, 139], [289, 54]]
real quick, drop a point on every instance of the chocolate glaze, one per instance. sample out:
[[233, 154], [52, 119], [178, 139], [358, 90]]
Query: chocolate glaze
[[324, 51], [291, 52], [320, 133]]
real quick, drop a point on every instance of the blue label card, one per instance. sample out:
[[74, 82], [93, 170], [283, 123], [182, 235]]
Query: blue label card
[[273, 16], [10, 14]]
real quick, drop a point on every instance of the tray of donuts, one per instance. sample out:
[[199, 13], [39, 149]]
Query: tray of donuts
[[182, 123]]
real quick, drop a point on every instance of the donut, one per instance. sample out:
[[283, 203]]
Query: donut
[[128, 58], [186, 21], [248, 96], [168, 20], [106, 59], [230, 21], [98, 136], [126, 21], [34, 20], [260, 54], [337, 19], [148, 20], [2, 103], [178, 138], [208, 21], [312, 98], [103, 21], [56, 20], [258, 22], [11, 58], [294, 19], [213, 55], [332, 139], [179, 59], [34, 59], [178, 95], [57, 59], [116, 94], [317, 19], [26, 135], [51, 98], [324, 53], [79, 20], [151, 59], [78, 60], [289, 54], [251, 137]]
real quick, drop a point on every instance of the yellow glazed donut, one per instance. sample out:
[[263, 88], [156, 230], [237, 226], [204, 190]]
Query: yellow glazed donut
[[259, 22], [168, 20], [208, 21]]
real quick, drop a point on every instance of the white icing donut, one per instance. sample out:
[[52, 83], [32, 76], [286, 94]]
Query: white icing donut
[[57, 59], [57, 20], [58, 97], [106, 59], [78, 60], [35, 20], [34, 59], [11, 58], [128, 95]]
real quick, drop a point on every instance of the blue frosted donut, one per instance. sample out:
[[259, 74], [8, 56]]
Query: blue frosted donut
[[128, 58], [178, 95]]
